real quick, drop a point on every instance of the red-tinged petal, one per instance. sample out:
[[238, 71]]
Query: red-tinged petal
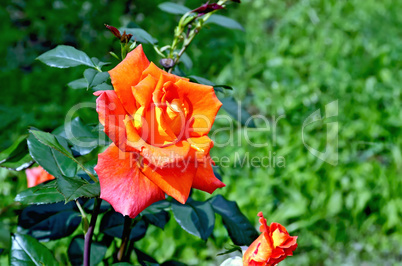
[[156, 72], [122, 183], [263, 227], [205, 179], [111, 116], [157, 156], [37, 175], [175, 179], [127, 74], [205, 105], [259, 251]]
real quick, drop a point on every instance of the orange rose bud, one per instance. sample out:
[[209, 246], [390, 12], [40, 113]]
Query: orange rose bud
[[158, 123], [271, 247], [37, 175]]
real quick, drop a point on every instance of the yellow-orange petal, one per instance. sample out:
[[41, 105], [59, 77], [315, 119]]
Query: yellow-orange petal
[[157, 156], [204, 103], [175, 179], [127, 74], [143, 91], [122, 183]]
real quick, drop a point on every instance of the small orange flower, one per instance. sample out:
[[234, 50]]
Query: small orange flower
[[271, 247], [158, 123], [37, 175]]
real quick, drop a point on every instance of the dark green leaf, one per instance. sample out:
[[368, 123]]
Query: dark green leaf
[[76, 251], [64, 56], [74, 187], [78, 84], [240, 230], [197, 218], [237, 111], [50, 221], [156, 215], [41, 194], [103, 87], [145, 259], [225, 22], [140, 35], [26, 250], [112, 224], [174, 8], [51, 160]]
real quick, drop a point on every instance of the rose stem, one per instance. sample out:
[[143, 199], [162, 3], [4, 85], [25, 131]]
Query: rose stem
[[88, 235], [125, 238]]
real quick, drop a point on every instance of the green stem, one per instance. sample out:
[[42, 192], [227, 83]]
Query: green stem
[[125, 238], [84, 216]]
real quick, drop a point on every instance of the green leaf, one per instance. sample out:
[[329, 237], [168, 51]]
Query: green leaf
[[15, 149], [76, 251], [41, 194], [196, 217], [224, 22], [74, 188], [26, 250], [99, 63], [64, 56], [52, 142], [240, 230], [174, 8], [186, 60], [16, 157], [103, 87], [237, 111], [156, 215], [78, 84], [201, 80], [51, 160], [51, 221], [94, 77], [140, 35], [80, 136]]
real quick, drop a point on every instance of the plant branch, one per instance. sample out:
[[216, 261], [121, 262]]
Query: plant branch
[[88, 235]]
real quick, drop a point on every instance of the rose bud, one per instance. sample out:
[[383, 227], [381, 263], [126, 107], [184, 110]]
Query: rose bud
[[271, 247], [124, 38], [206, 8]]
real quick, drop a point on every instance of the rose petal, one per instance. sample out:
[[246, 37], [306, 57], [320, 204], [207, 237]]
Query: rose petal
[[205, 179], [111, 116], [204, 103], [127, 74], [157, 156], [174, 179], [156, 72], [37, 175], [122, 183]]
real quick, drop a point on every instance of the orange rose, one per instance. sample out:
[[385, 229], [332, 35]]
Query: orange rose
[[37, 175], [271, 247], [158, 123]]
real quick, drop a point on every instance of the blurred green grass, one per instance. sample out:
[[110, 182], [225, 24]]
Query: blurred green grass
[[293, 58]]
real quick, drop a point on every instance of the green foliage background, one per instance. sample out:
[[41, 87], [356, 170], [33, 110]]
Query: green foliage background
[[293, 58]]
